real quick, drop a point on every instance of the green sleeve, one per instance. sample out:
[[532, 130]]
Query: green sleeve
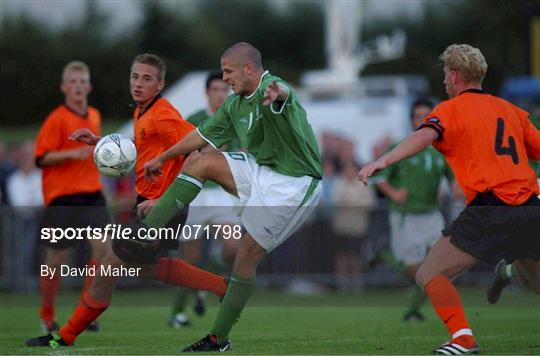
[[218, 130]]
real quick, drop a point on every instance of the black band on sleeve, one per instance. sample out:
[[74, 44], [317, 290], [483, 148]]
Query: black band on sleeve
[[435, 124]]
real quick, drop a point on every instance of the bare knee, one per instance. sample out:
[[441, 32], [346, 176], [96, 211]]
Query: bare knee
[[422, 277], [55, 258], [198, 164]]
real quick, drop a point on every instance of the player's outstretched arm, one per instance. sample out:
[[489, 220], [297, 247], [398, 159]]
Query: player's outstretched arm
[[53, 158], [189, 143], [411, 145]]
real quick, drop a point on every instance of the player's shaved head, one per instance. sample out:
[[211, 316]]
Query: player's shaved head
[[243, 53]]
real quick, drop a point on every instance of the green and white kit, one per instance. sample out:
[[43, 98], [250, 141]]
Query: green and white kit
[[279, 178]]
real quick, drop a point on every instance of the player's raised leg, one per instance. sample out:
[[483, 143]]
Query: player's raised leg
[[188, 184], [444, 262]]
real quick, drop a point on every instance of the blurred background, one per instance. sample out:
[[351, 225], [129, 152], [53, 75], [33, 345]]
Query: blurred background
[[356, 65]]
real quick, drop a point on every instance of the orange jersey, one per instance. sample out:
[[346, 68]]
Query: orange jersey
[[488, 143], [157, 129], [71, 176]]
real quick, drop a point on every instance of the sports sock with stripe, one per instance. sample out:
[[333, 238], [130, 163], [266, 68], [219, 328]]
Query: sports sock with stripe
[[447, 304], [232, 305], [86, 312], [48, 288], [178, 196]]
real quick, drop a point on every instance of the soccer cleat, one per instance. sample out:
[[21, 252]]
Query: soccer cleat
[[93, 327], [453, 348], [208, 344], [199, 308], [499, 283], [413, 315], [48, 326], [52, 340], [179, 320]]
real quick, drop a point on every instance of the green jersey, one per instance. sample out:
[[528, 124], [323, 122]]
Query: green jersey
[[420, 176], [278, 135], [201, 116]]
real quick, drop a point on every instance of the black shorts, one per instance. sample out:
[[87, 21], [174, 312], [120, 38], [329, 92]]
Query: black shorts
[[491, 230], [178, 219], [74, 211]]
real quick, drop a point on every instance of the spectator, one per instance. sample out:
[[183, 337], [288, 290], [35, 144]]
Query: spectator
[[24, 195], [353, 202]]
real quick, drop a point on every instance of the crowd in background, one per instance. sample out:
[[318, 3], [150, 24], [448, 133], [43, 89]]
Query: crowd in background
[[343, 240]]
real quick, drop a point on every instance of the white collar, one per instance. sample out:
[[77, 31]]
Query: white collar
[[260, 81]]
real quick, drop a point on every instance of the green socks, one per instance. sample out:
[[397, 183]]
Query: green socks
[[418, 298], [178, 196], [232, 305], [180, 300]]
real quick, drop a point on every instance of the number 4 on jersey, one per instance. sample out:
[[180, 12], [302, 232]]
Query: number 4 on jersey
[[502, 150]]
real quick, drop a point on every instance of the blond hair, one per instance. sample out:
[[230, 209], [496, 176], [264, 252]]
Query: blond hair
[[467, 60], [75, 66], [153, 60]]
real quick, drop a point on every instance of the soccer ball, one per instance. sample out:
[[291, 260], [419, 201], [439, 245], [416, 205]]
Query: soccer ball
[[115, 155]]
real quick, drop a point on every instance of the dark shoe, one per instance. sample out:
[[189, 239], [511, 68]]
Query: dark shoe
[[499, 283], [93, 327], [413, 315], [52, 340], [208, 344]]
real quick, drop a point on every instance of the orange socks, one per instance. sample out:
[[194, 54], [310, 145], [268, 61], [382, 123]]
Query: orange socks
[[179, 272], [86, 312], [48, 288], [447, 303]]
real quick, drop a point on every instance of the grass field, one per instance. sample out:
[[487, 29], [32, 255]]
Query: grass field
[[277, 323]]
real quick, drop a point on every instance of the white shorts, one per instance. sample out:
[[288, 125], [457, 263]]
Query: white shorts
[[412, 235], [212, 206], [271, 206]]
